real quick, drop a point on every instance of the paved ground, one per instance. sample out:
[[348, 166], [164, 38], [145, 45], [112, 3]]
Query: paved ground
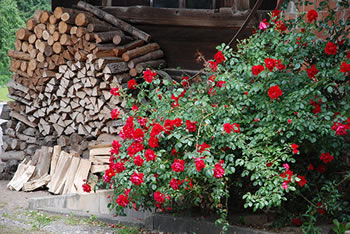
[[16, 218]]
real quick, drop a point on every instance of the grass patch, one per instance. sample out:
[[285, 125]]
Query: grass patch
[[39, 220], [3, 94]]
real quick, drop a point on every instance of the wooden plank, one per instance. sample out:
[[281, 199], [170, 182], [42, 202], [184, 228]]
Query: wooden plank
[[43, 164], [23, 119], [81, 175], [71, 175], [100, 151], [59, 177]]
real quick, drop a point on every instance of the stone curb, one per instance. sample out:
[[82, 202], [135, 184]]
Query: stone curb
[[85, 205]]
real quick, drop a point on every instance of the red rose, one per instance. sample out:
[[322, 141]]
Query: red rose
[[132, 83], [312, 15], [228, 127], [199, 164], [159, 197], [115, 114], [257, 69], [115, 91], [297, 222], [136, 179], [344, 67], [153, 142], [110, 173], [321, 169], [122, 200], [219, 57], [134, 148], [174, 183], [330, 48], [213, 65], [150, 155], [270, 63], [157, 129], [191, 126], [203, 147], [138, 161], [326, 157], [178, 165], [218, 171], [280, 26], [302, 181], [177, 122], [220, 84], [275, 92], [119, 167], [138, 134], [311, 72], [86, 188], [211, 91], [295, 148], [148, 75]]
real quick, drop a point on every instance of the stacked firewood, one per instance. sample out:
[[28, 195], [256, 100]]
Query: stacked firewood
[[64, 65]]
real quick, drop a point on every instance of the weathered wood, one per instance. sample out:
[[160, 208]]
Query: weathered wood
[[43, 164], [100, 28], [102, 62], [114, 68], [155, 64], [38, 30], [147, 57], [128, 55], [9, 155], [122, 40], [119, 50], [18, 55], [102, 37], [115, 21], [22, 118]]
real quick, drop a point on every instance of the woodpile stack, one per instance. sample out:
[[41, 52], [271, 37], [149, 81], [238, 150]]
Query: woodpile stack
[[64, 65]]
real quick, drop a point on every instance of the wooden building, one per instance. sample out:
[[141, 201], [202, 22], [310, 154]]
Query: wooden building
[[184, 27]]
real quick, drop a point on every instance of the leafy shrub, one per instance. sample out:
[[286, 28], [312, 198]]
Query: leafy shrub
[[266, 124]]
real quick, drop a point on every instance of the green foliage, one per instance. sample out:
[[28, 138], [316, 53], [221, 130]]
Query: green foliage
[[261, 165], [10, 21], [28, 7], [340, 228]]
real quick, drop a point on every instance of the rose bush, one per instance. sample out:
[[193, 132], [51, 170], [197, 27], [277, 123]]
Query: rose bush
[[266, 124]]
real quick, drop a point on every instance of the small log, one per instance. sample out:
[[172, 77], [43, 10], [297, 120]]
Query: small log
[[100, 28], [81, 31], [57, 48], [37, 15], [155, 64], [147, 57], [18, 45], [18, 55], [115, 21], [118, 51], [85, 18], [121, 40], [107, 36], [44, 17], [32, 39], [31, 23], [64, 27], [56, 36], [45, 35], [114, 68], [40, 57], [38, 30], [53, 20], [23, 34], [65, 39], [73, 30], [102, 62], [25, 46], [127, 56], [10, 155]]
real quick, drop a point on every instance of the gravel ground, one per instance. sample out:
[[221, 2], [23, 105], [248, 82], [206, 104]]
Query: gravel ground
[[16, 218]]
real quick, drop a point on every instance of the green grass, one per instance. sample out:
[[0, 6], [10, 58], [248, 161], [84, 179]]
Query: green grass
[[3, 94]]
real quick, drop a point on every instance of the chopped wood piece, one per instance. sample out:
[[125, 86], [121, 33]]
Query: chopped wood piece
[[121, 40], [81, 175], [22, 118], [81, 31], [98, 168], [18, 55], [155, 64], [72, 170], [114, 68], [147, 57], [9, 155], [37, 183], [64, 27], [44, 17], [57, 47], [23, 34], [58, 179], [22, 175], [31, 23], [114, 21]]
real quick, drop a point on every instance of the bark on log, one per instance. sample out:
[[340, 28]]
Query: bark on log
[[18, 55], [122, 40], [147, 57], [31, 23], [44, 17], [115, 21], [99, 28], [114, 68], [118, 51], [53, 20], [107, 36], [127, 56], [155, 64]]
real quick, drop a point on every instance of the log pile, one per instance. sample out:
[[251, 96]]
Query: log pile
[[64, 65]]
